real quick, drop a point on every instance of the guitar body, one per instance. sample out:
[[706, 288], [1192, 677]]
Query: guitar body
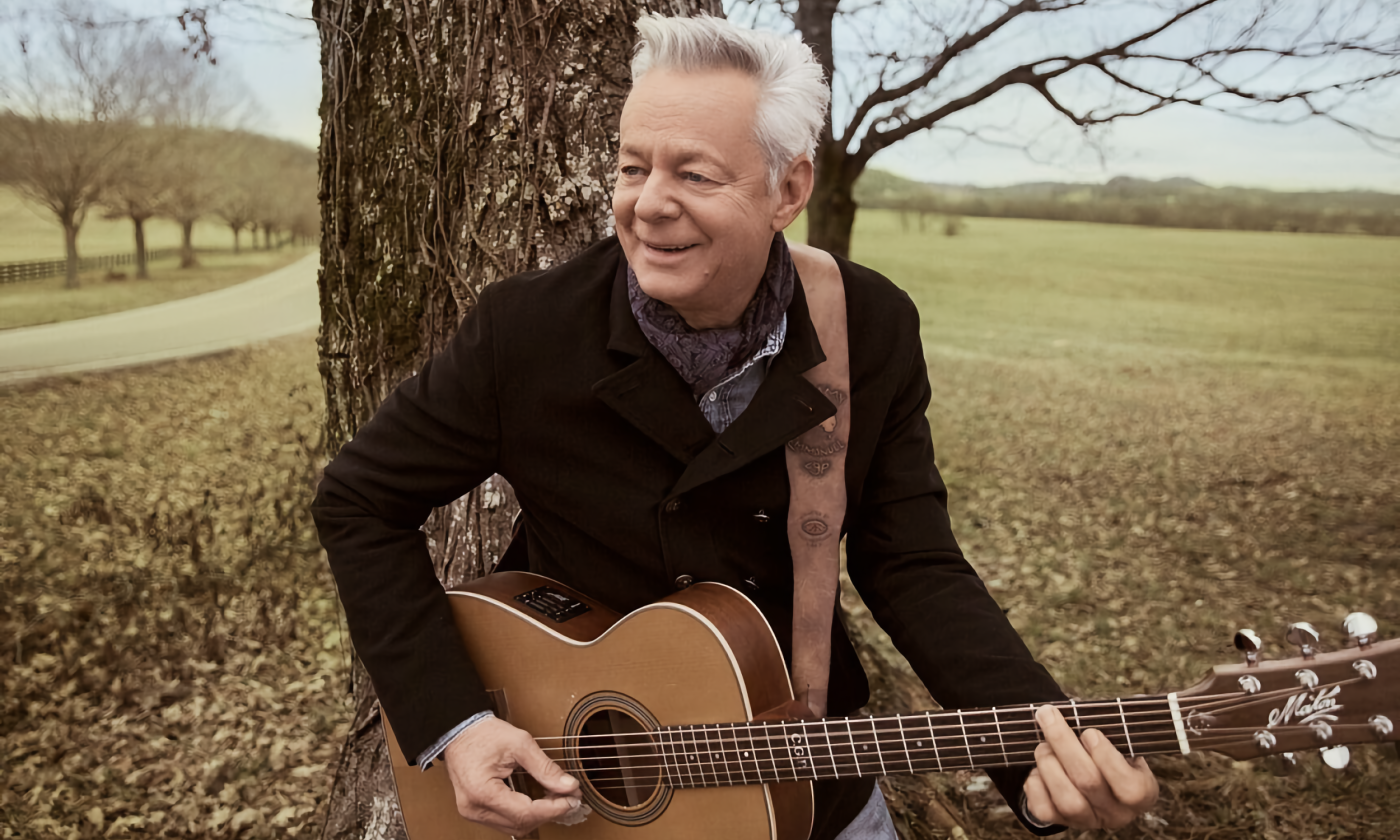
[[703, 655]]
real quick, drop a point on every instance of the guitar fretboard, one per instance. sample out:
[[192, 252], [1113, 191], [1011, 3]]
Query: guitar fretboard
[[723, 754]]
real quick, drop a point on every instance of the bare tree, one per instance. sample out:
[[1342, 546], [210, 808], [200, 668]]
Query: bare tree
[[77, 86], [901, 67]]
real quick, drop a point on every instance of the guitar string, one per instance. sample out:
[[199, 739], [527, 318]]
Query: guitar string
[[792, 773], [948, 757], [1214, 702]]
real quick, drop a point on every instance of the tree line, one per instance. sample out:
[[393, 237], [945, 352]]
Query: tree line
[[1174, 202], [101, 114]]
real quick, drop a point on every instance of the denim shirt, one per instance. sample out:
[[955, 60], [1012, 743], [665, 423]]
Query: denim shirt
[[720, 405]]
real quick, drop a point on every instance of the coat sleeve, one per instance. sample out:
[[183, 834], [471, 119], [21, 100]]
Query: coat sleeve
[[906, 564], [434, 439]]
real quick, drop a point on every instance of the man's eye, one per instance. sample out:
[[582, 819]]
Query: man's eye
[[631, 171], [695, 177]]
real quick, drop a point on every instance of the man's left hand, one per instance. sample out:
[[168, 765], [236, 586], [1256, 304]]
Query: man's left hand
[[1085, 782]]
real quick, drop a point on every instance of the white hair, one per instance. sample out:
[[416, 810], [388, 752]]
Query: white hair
[[792, 95]]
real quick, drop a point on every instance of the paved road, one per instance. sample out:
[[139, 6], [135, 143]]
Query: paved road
[[276, 304]]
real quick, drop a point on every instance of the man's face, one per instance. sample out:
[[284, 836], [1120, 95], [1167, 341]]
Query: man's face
[[692, 205]]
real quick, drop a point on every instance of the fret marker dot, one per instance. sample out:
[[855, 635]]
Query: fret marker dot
[[918, 743], [983, 739], [746, 755]]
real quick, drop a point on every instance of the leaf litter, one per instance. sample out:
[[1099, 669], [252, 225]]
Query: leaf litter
[[175, 664]]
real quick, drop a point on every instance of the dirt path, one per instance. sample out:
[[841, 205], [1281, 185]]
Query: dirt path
[[280, 303]]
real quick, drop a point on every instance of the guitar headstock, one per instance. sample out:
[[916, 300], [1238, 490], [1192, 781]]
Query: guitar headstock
[[1317, 700]]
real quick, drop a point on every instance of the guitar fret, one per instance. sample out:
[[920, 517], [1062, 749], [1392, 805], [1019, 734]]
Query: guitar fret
[[933, 740], [879, 751], [729, 763], [690, 756], [710, 753], [1124, 718], [967, 739], [904, 745], [1001, 739], [666, 761]]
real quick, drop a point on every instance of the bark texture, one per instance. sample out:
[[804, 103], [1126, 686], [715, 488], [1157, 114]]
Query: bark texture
[[462, 142]]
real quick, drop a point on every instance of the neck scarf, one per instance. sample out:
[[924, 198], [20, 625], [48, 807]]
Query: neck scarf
[[705, 358]]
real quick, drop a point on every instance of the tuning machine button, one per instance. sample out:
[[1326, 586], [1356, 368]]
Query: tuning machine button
[[1337, 757], [1249, 643], [1361, 627], [1381, 725], [1305, 636]]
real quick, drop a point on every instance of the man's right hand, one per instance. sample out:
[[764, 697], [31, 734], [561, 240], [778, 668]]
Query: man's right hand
[[483, 757]]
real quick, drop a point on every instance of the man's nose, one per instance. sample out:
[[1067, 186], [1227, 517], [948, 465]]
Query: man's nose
[[657, 199]]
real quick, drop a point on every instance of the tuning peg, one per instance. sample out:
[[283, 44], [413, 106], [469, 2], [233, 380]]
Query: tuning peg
[[1337, 757], [1360, 627], [1248, 642], [1284, 764], [1305, 636]]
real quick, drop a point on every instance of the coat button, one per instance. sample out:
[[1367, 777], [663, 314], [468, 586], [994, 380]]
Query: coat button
[[684, 581], [751, 583], [761, 517], [673, 505]]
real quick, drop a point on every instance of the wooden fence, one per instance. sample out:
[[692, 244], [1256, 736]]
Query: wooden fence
[[19, 271]]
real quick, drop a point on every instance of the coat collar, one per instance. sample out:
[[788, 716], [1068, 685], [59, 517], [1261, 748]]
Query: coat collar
[[650, 395]]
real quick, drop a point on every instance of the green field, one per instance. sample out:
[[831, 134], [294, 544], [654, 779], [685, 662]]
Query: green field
[[29, 232], [1151, 438], [47, 301]]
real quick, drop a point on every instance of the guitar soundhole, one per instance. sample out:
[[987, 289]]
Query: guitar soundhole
[[619, 758], [612, 749]]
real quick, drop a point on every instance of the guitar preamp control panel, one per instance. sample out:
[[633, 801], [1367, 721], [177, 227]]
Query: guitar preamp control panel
[[553, 604]]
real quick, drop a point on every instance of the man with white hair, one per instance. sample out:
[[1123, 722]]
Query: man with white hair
[[660, 404]]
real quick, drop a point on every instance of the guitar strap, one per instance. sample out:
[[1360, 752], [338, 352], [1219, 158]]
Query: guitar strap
[[816, 465]]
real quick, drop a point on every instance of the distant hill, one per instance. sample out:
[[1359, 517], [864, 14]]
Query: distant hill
[[1172, 202]]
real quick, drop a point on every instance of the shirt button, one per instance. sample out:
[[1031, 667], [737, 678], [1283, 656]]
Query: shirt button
[[714, 396], [684, 581], [673, 505]]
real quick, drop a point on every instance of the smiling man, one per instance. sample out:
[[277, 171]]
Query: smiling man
[[662, 405]]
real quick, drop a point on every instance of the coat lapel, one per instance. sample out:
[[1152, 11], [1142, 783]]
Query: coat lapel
[[785, 405], [648, 393]]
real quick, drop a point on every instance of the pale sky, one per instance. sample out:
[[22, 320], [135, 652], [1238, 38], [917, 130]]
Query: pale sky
[[272, 46]]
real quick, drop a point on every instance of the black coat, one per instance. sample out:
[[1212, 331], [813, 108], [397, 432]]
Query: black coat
[[550, 382]]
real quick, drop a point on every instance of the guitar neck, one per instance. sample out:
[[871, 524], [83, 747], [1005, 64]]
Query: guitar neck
[[715, 755]]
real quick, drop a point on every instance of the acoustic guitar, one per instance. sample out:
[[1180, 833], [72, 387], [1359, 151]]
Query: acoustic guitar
[[653, 713]]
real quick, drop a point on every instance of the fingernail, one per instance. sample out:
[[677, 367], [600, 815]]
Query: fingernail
[[1092, 738], [574, 802], [568, 780]]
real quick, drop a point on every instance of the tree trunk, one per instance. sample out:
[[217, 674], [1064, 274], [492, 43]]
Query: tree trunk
[[267, 237], [237, 229], [187, 257], [70, 247], [457, 149], [139, 223], [832, 211]]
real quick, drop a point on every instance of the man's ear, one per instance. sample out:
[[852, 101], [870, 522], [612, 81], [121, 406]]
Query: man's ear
[[794, 189]]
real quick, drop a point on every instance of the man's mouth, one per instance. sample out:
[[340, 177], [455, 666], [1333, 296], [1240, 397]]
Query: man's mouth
[[671, 249]]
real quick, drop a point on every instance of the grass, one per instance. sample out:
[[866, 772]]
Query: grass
[[1136, 472], [1153, 438], [31, 233], [47, 301]]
